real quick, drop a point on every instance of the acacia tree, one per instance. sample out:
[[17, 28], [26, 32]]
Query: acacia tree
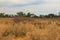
[[31, 15], [51, 15], [21, 14]]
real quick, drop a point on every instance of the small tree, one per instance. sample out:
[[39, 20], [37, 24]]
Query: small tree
[[28, 14], [46, 16], [21, 14], [31, 15], [51, 15], [6, 15], [41, 16], [2, 14], [35, 16]]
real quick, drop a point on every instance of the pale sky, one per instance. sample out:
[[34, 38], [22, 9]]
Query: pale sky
[[33, 6]]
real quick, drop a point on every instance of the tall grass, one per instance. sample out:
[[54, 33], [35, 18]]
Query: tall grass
[[26, 29]]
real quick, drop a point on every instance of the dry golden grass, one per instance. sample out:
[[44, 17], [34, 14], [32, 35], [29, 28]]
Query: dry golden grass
[[30, 29]]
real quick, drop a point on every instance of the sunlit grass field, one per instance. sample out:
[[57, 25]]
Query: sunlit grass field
[[29, 28]]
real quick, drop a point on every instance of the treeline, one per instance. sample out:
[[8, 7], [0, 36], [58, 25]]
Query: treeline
[[21, 14]]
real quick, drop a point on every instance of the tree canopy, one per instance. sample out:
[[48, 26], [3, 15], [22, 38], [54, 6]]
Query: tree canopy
[[22, 14]]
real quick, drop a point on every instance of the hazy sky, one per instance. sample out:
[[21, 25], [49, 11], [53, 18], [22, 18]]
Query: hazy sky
[[33, 6]]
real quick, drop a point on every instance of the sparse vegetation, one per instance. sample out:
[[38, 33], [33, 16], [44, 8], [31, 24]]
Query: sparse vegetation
[[22, 14], [29, 27]]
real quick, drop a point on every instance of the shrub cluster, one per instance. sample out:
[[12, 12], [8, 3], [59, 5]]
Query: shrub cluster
[[21, 14]]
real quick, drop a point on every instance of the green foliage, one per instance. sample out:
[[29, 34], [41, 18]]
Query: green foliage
[[6, 15], [46, 16], [1, 14], [28, 14], [21, 14], [31, 15], [35, 16], [41, 16], [51, 15]]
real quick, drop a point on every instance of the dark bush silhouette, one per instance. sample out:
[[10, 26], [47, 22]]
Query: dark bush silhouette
[[51, 15], [41, 16], [28, 14], [21, 14], [6, 15], [35, 16], [2, 14]]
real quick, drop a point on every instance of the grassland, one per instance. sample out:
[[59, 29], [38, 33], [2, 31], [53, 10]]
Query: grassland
[[29, 28]]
